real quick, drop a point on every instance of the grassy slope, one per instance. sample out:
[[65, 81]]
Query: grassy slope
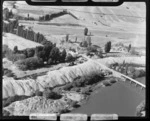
[[13, 40]]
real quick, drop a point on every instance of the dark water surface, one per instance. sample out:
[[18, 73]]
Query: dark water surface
[[121, 98]]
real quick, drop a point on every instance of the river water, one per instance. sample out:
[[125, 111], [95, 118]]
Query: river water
[[121, 98]]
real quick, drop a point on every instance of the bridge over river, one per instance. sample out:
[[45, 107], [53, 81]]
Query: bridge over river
[[121, 98]]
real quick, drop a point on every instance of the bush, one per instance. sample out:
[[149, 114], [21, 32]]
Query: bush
[[67, 38], [108, 47], [84, 44]]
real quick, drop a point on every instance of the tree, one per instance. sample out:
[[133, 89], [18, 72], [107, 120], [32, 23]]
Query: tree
[[107, 47], [85, 31], [47, 48], [15, 49], [54, 54], [67, 37], [30, 52], [63, 56], [28, 16], [69, 58], [129, 48]]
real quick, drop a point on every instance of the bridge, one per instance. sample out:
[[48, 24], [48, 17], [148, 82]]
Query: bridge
[[118, 74]]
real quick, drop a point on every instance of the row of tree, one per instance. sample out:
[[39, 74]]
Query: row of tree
[[48, 17], [30, 34]]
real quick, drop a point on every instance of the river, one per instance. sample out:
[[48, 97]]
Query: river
[[121, 98]]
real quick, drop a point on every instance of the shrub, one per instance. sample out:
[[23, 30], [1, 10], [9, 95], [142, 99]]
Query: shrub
[[38, 93], [106, 83], [99, 54], [49, 94], [113, 81], [85, 90], [107, 47]]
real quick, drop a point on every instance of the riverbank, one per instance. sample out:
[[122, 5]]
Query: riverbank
[[70, 100]]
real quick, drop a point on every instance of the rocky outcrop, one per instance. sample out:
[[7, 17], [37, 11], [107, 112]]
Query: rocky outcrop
[[52, 79]]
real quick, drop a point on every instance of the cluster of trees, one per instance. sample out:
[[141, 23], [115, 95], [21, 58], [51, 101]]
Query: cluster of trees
[[48, 17], [83, 81], [7, 14], [128, 69], [9, 26], [32, 58], [37, 56]]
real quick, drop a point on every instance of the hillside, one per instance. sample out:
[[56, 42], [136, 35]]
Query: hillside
[[12, 40]]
